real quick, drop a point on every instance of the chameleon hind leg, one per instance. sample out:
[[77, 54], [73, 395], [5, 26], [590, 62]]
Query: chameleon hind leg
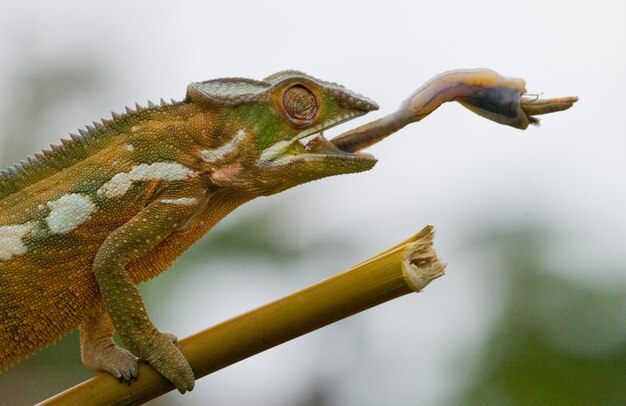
[[99, 352]]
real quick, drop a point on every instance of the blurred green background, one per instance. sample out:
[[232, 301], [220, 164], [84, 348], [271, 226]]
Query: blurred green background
[[531, 310]]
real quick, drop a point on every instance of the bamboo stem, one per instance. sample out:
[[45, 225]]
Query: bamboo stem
[[405, 268]]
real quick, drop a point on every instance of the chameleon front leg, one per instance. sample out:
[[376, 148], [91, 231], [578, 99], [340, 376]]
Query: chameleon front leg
[[483, 91], [121, 298], [99, 352]]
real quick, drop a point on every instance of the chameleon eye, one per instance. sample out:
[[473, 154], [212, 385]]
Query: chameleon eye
[[300, 105]]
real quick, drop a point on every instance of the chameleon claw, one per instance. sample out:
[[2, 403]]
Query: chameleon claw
[[127, 377], [124, 380]]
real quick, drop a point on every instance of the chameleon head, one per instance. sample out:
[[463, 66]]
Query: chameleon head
[[280, 121]]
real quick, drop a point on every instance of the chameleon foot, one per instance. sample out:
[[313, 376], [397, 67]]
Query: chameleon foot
[[166, 358], [100, 353], [114, 360]]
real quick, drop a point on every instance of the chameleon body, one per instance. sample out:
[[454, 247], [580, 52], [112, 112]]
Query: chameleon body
[[83, 223]]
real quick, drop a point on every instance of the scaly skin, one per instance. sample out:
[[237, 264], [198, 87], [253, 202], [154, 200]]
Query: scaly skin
[[82, 224]]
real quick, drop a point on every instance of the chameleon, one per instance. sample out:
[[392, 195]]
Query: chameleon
[[85, 221]]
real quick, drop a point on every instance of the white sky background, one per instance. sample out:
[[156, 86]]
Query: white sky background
[[454, 169]]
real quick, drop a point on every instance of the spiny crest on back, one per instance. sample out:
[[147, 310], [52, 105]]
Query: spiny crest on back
[[60, 156]]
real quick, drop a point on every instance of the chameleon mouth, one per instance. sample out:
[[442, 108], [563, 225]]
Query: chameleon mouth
[[313, 142], [311, 145]]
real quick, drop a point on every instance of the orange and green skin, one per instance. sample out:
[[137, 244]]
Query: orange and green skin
[[83, 243]]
